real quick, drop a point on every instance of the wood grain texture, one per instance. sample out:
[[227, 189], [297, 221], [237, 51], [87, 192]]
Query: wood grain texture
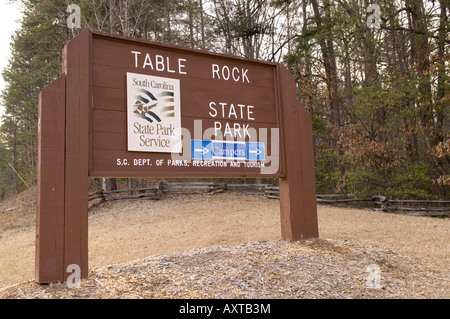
[[113, 57], [50, 184], [116, 53], [76, 62], [298, 208]]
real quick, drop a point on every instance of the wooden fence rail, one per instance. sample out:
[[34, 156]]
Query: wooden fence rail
[[249, 189], [157, 192], [193, 188], [433, 208], [100, 196]]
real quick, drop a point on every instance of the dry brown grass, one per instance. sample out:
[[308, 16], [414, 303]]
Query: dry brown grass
[[128, 230]]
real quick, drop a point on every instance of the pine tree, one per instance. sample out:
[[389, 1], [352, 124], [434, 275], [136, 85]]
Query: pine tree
[[35, 62]]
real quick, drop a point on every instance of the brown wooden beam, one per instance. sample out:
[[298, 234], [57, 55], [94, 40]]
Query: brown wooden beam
[[49, 265], [298, 207], [76, 66]]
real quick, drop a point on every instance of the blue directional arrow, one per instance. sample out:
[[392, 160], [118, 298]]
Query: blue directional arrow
[[201, 149], [255, 151]]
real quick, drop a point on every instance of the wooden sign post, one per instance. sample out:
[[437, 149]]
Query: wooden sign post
[[132, 108]]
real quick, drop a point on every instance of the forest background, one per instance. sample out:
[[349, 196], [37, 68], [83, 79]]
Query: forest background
[[373, 74]]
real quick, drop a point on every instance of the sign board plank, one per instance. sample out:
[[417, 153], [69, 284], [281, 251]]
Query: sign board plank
[[169, 60], [115, 99], [231, 96]]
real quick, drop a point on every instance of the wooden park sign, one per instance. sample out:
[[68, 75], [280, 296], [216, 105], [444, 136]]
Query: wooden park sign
[[132, 108]]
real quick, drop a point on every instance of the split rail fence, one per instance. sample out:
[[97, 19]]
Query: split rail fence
[[433, 208]]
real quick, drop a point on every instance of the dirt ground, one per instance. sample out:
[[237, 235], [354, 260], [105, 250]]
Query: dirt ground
[[228, 245]]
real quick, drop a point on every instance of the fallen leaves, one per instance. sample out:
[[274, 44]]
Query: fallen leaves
[[260, 269]]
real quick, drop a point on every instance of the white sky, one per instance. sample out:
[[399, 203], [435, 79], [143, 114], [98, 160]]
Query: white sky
[[9, 14]]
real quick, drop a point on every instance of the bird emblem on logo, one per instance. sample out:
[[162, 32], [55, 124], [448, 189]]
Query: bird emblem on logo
[[147, 106]]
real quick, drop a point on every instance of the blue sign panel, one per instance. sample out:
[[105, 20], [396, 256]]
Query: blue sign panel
[[228, 150], [208, 150]]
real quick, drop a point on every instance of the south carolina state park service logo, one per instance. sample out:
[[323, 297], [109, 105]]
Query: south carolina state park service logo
[[153, 111], [147, 106]]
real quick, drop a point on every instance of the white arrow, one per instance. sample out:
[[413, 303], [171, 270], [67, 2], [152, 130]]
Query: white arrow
[[257, 151], [204, 150]]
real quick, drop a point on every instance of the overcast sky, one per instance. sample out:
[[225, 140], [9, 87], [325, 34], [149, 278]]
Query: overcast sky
[[9, 16]]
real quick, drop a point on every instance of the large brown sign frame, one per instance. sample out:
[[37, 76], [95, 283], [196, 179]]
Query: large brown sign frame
[[82, 134]]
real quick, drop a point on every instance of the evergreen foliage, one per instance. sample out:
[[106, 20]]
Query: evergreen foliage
[[379, 97]]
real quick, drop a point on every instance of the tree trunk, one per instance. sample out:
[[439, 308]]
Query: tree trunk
[[442, 113], [15, 158], [329, 60], [112, 17], [202, 25], [191, 24]]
